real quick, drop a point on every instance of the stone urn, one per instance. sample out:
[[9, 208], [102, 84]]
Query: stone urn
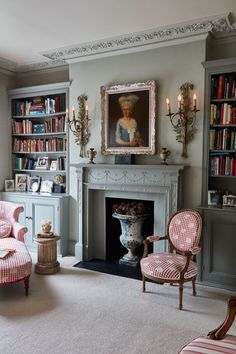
[[131, 236], [91, 153], [164, 153]]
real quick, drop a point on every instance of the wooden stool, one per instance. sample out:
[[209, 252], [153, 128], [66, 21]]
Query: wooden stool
[[47, 255]]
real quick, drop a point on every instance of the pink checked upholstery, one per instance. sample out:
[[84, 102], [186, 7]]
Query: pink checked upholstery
[[17, 265], [217, 340], [178, 265]]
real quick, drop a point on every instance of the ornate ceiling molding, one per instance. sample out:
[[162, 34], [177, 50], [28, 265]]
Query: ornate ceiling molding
[[127, 43], [140, 39]]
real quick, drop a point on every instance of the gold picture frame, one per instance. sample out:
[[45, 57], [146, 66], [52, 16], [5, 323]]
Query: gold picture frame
[[128, 114]]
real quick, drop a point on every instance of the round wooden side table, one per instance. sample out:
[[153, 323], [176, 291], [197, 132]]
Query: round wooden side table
[[47, 255]]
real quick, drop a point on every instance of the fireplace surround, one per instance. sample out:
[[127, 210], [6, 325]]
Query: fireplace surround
[[157, 183]]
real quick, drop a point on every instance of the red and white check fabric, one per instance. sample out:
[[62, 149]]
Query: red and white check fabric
[[183, 230], [167, 266], [203, 345], [5, 228], [17, 265]]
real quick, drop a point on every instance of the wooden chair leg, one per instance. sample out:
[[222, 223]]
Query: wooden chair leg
[[144, 283], [194, 287], [181, 287], [26, 282]]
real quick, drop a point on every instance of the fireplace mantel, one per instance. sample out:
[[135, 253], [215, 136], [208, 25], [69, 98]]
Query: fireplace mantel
[[95, 182]]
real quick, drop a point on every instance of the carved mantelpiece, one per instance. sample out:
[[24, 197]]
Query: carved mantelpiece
[[95, 183]]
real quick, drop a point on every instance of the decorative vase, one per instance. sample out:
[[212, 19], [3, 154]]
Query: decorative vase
[[164, 154], [131, 236], [91, 153]]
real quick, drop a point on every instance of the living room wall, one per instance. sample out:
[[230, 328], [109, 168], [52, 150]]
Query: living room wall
[[6, 83], [170, 66]]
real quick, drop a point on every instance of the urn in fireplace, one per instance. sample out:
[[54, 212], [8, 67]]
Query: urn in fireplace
[[131, 217]]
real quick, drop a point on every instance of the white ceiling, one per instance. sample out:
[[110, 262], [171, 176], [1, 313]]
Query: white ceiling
[[30, 28]]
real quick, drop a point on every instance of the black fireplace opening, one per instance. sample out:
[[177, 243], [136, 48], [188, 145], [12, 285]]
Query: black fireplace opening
[[114, 248]]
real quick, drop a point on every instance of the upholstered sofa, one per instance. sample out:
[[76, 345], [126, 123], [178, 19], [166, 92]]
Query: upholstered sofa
[[17, 265]]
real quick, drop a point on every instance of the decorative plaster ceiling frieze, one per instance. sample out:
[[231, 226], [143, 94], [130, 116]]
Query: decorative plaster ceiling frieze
[[140, 39]]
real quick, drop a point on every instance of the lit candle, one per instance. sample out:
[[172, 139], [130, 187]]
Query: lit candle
[[86, 110], [195, 100], [168, 105], [73, 112], [67, 115], [179, 101]]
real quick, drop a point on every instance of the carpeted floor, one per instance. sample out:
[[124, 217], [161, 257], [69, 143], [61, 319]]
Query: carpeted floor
[[78, 311]]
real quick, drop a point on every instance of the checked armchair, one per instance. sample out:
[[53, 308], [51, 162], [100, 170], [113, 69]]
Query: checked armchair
[[177, 266]]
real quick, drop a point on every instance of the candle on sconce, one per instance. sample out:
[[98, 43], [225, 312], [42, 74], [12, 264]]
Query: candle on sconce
[[67, 115], [179, 101], [168, 105], [73, 112], [86, 110], [194, 100]]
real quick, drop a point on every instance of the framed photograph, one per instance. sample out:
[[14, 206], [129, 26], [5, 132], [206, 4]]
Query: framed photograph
[[20, 182], [46, 186], [42, 163], [33, 184], [128, 118], [9, 185], [212, 197], [53, 165]]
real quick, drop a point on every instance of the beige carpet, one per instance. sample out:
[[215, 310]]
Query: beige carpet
[[85, 312]]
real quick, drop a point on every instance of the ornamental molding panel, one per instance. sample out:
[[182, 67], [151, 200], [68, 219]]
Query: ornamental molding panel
[[133, 42]]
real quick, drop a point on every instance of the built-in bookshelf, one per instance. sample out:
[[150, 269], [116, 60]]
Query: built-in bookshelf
[[40, 134]]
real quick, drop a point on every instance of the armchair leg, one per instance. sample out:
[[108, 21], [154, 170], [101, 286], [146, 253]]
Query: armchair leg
[[181, 287], [194, 287], [26, 281], [144, 283]]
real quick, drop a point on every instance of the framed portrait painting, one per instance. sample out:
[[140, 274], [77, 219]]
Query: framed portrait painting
[[128, 118]]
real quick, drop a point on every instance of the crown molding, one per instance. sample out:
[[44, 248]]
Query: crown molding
[[133, 42]]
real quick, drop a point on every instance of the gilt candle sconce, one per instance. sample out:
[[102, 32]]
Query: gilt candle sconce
[[79, 126], [184, 120]]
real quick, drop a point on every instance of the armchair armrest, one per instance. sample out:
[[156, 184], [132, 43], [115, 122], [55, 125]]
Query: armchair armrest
[[195, 250], [18, 231], [220, 332], [150, 239]]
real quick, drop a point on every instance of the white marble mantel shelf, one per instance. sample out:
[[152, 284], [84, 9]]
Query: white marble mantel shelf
[[161, 184]]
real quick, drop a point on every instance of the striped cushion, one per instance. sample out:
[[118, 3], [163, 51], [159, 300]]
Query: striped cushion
[[5, 228], [17, 265], [208, 346], [183, 230], [167, 266]]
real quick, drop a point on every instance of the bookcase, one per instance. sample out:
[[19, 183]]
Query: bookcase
[[39, 138], [218, 261]]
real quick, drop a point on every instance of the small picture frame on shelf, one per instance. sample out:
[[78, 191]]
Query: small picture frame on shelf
[[21, 187], [53, 165], [42, 163], [229, 200], [19, 180], [46, 186], [212, 197], [33, 184], [9, 185]]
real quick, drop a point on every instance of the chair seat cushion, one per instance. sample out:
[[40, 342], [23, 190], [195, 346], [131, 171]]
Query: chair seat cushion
[[167, 266], [15, 266], [209, 346]]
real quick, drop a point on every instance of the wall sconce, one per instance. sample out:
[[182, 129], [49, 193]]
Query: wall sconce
[[79, 126], [184, 120]]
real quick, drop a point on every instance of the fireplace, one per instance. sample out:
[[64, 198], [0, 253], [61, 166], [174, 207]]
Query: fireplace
[[114, 248], [157, 184]]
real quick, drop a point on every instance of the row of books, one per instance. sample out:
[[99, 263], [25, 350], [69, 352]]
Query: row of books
[[222, 165], [222, 113], [39, 145], [37, 105], [223, 86], [53, 125], [26, 163], [222, 139]]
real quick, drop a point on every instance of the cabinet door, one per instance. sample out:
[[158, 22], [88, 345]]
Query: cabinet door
[[43, 208], [219, 244]]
